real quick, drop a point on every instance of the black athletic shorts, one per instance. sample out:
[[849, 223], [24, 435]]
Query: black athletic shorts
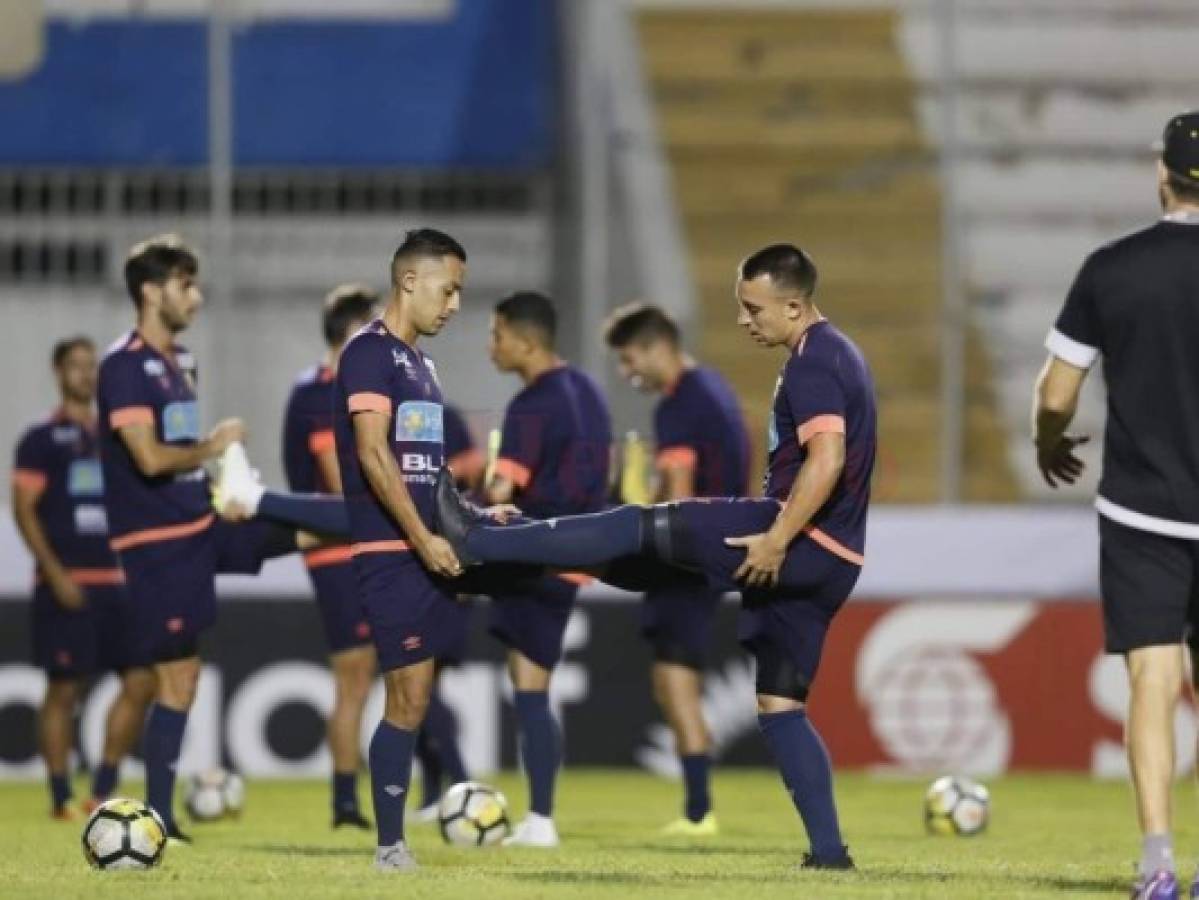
[[1150, 587]]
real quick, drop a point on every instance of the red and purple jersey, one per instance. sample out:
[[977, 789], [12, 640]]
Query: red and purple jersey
[[698, 425], [556, 445], [308, 429], [380, 373], [826, 386], [58, 460], [462, 456], [140, 386]]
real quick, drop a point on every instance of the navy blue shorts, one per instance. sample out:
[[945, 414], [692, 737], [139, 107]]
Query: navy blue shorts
[[677, 622], [172, 586], [78, 643], [533, 621], [412, 615], [342, 618], [783, 628]]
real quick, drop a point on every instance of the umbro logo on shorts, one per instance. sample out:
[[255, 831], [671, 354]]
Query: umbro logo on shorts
[[412, 643]]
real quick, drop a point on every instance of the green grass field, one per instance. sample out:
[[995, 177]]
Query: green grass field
[[1050, 836]]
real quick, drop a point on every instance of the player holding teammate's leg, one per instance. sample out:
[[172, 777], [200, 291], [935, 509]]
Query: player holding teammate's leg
[[310, 462], [389, 432], [79, 605], [157, 499], [553, 460], [795, 555], [702, 451]]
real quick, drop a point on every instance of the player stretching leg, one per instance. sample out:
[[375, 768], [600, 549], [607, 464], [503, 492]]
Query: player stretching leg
[[1134, 302], [157, 499], [310, 461], [794, 556], [79, 604], [702, 451], [553, 460]]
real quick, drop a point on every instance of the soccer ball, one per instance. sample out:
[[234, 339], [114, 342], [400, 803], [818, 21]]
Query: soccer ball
[[473, 815], [956, 805], [124, 834], [214, 794]]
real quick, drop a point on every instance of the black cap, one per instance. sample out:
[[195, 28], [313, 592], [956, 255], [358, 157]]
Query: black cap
[[1180, 145]]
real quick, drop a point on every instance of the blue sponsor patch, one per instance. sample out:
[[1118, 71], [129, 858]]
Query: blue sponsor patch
[[84, 478], [418, 420], [181, 421]]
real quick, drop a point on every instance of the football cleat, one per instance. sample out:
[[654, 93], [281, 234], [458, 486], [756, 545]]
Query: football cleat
[[534, 831], [844, 861], [684, 827], [351, 817], [67, 812], [236, 483], [453, 517], [176, 838], [396, 858], [1161, 885]]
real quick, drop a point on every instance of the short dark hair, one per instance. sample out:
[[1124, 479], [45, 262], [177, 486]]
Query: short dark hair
[[424, 243], [529, 309], [1184, 189], [345, 305], [64, 348], [788, 267], [639, 323], [155, 260]]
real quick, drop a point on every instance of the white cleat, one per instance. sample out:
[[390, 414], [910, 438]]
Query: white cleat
[[396, 858], [236, 482], [426, 815], [534, 831]]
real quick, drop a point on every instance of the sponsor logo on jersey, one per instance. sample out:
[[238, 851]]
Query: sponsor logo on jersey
[[84, 478], [155, 368], [181, 421], [418, 420], [90, 519], [64, 434]]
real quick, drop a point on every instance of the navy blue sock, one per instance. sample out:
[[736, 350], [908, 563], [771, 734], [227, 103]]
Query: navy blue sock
[[162, 741], [540, 748], [430, 765], [804, 764], [105, 781], [311, 512], [697, 800], [568, 542], [345, 792], [390, 759], [60, 790]]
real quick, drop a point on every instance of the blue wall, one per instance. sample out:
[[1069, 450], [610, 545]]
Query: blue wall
[[477, 90]]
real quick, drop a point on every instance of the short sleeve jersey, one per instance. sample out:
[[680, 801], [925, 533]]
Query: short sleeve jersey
[[826, 386], [379, 373], [59, 460], [461, 455], [308, 429], [1136, 302], [139, 385], [556, 444], [699, 425]]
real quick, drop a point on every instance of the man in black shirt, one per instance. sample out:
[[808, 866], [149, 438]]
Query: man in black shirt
[[1136, 302]]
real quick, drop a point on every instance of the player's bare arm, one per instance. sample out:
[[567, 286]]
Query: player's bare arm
[[154, 458], [764, 553], [676, 482], [371, 431], [24, 507], [1057, 392]]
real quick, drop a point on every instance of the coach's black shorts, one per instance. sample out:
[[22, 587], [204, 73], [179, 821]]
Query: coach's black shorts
[[1149, 584]]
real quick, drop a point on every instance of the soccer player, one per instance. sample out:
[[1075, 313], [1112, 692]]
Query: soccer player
[[702, 451], [310, 462], [79, 606], [389, 431], [553, 460], [1134, 303], [156, 495], [794, 555]]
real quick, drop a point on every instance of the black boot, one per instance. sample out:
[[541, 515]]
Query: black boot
[[453, 517]]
